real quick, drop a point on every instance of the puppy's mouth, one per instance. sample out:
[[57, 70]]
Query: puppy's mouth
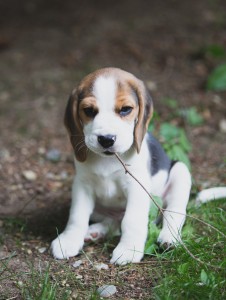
[[108, 153]]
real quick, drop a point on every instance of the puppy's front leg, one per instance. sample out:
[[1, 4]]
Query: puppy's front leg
[[134, 228], [70, 242]]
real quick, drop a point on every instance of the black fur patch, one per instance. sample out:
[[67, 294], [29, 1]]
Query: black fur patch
[[159, 159]]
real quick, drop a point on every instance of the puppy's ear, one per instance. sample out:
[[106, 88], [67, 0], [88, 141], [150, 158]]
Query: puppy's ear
[[75, 128], [145, 112]]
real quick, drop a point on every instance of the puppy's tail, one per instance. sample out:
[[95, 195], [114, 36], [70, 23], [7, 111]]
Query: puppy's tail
[[211, 194]]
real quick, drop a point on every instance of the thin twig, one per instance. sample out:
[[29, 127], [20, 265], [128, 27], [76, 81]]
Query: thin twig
[[143, 187], [162, 212], [25, 205]]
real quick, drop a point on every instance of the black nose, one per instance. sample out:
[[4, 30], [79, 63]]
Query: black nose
[[106, 141]]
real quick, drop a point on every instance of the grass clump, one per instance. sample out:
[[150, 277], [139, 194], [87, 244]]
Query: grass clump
[[183, 277], [40, 284], [42, 291]]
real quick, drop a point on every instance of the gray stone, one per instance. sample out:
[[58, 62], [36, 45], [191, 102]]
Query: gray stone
[[30, 175], [106, 291], [53, 155], [101, 266], [77, 263]]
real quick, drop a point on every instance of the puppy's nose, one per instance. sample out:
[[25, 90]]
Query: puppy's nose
[[106, 141]]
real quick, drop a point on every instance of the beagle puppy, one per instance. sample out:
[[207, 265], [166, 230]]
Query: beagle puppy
[[109, 113]]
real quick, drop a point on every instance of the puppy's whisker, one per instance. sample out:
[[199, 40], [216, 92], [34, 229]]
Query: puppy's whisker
[[81, 147], [81, 143]]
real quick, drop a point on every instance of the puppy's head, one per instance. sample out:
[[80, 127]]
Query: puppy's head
[[109, 112]]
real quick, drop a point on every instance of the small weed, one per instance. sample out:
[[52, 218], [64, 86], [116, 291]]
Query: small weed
[[153, 230], [171, 103], [173, 137], [215, 51], [217, 79], [212, 51], [41, 289], [94, 296], [13, 224], [192, 117], [175, 142], [47, 283]]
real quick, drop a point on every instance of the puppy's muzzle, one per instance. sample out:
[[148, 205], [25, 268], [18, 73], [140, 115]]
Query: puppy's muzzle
[[106, 141]]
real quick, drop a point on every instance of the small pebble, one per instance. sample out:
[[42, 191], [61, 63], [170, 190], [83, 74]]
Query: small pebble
[[222, 125], [77, 263], [30, 175], [152, 86], [4, 154], [74, 295], [63, 175], [53, 155], [106, 291], [101, 266], [55, 185], [29, 251], [50, 175], [42, 250], [20, 283], [41, 150], [63, 283], [79, 277]]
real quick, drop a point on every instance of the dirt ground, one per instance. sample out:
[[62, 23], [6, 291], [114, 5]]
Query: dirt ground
[[46, 47]]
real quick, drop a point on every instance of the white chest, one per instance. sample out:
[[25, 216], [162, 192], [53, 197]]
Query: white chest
[[109, 191]]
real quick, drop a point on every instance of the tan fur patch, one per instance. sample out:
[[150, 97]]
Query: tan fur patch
[[125, 98], [89, 102]]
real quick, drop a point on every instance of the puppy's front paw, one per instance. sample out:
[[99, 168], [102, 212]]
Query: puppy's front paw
[[125, 253], [168, 239], [66, 245]]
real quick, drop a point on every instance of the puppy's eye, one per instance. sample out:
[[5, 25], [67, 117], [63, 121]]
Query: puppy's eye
[[125, 110], [90, 112]]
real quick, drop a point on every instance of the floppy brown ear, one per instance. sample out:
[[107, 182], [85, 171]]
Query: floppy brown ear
[[74, 127], [145, 112]]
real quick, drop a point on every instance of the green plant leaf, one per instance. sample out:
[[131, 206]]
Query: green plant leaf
[[151, 126], [217, 79], [183, 268], [172, 103], [154, 208], [193, 117], [176, 143], [153, 230], [176, 152], [204, 277], [184, 142], [188, 231], [216, 51], [169, 131]]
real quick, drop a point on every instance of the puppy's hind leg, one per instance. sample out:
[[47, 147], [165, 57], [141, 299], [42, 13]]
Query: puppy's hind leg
[[175, 199], [98, 231]]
